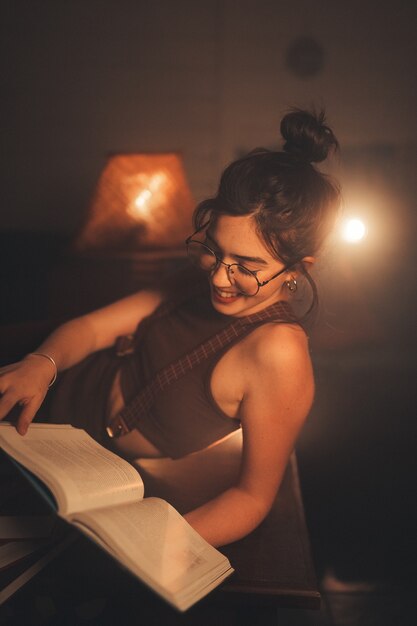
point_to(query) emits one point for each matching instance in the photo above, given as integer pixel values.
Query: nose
(220, 276)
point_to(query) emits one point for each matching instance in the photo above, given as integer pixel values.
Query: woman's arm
(26, 382)
(279, 389)
(78, 338)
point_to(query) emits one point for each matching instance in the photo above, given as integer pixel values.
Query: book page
(156, 543)
(79, 471)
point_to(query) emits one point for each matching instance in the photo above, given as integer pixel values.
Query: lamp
(142, 202)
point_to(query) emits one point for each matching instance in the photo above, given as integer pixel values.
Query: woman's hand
(25, 384)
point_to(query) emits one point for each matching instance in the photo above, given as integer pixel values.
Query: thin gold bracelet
(46, 356)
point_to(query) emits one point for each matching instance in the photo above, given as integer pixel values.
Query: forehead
(237, 235)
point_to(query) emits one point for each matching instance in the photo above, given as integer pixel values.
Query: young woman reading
(220, 350)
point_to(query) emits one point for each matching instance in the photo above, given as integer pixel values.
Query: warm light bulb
(353, 230)
(140, 205)
(142, 198)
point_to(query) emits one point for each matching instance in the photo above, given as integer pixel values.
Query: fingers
(8, 400)
(21, 385)
(30, 406)
(26, 416)
(8, 394)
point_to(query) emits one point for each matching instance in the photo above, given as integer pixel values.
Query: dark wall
(87, 77)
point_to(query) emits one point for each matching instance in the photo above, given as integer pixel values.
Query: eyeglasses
(206, 259)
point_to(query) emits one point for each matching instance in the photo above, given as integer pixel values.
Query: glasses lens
(244, 280)
(201, 256)
(204, 258)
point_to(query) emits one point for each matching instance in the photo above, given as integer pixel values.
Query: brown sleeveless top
(184, 417)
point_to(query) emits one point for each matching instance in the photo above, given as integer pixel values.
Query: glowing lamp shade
(141, 202)
(353, 230)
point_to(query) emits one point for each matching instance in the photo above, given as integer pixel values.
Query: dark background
(210, 79)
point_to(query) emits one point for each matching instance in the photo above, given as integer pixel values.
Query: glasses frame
(230, 265)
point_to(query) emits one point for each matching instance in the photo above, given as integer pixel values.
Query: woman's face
(234, 239)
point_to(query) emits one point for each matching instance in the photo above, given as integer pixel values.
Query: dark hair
(294, 205)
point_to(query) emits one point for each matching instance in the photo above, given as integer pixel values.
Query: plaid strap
(126, 419)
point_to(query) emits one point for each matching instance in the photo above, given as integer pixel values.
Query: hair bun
(306, 136)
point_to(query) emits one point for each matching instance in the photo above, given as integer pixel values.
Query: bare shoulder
(278, 345)
(278, 373)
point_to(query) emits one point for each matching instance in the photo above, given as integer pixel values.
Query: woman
(245, 357)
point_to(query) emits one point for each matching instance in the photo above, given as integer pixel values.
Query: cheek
(270, 288)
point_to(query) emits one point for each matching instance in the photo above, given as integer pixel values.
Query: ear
(308, 261)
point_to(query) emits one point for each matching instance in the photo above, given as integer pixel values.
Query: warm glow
(150, 188)
(139, 207)
(141, 201)
(353, 230)
(156, 181)
(142, 198)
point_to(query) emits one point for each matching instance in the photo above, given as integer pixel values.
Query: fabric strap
(126, 419)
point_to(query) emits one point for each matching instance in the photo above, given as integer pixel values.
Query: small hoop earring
(291, 284)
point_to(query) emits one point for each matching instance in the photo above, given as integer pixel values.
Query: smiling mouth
(225, 295)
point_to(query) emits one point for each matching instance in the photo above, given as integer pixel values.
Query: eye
(244, 271)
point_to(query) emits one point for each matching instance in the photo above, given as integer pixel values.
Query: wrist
(52, 362)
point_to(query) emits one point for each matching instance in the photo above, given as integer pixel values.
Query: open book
(103, 496)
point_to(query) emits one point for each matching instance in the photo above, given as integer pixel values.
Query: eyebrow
(241, 257)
